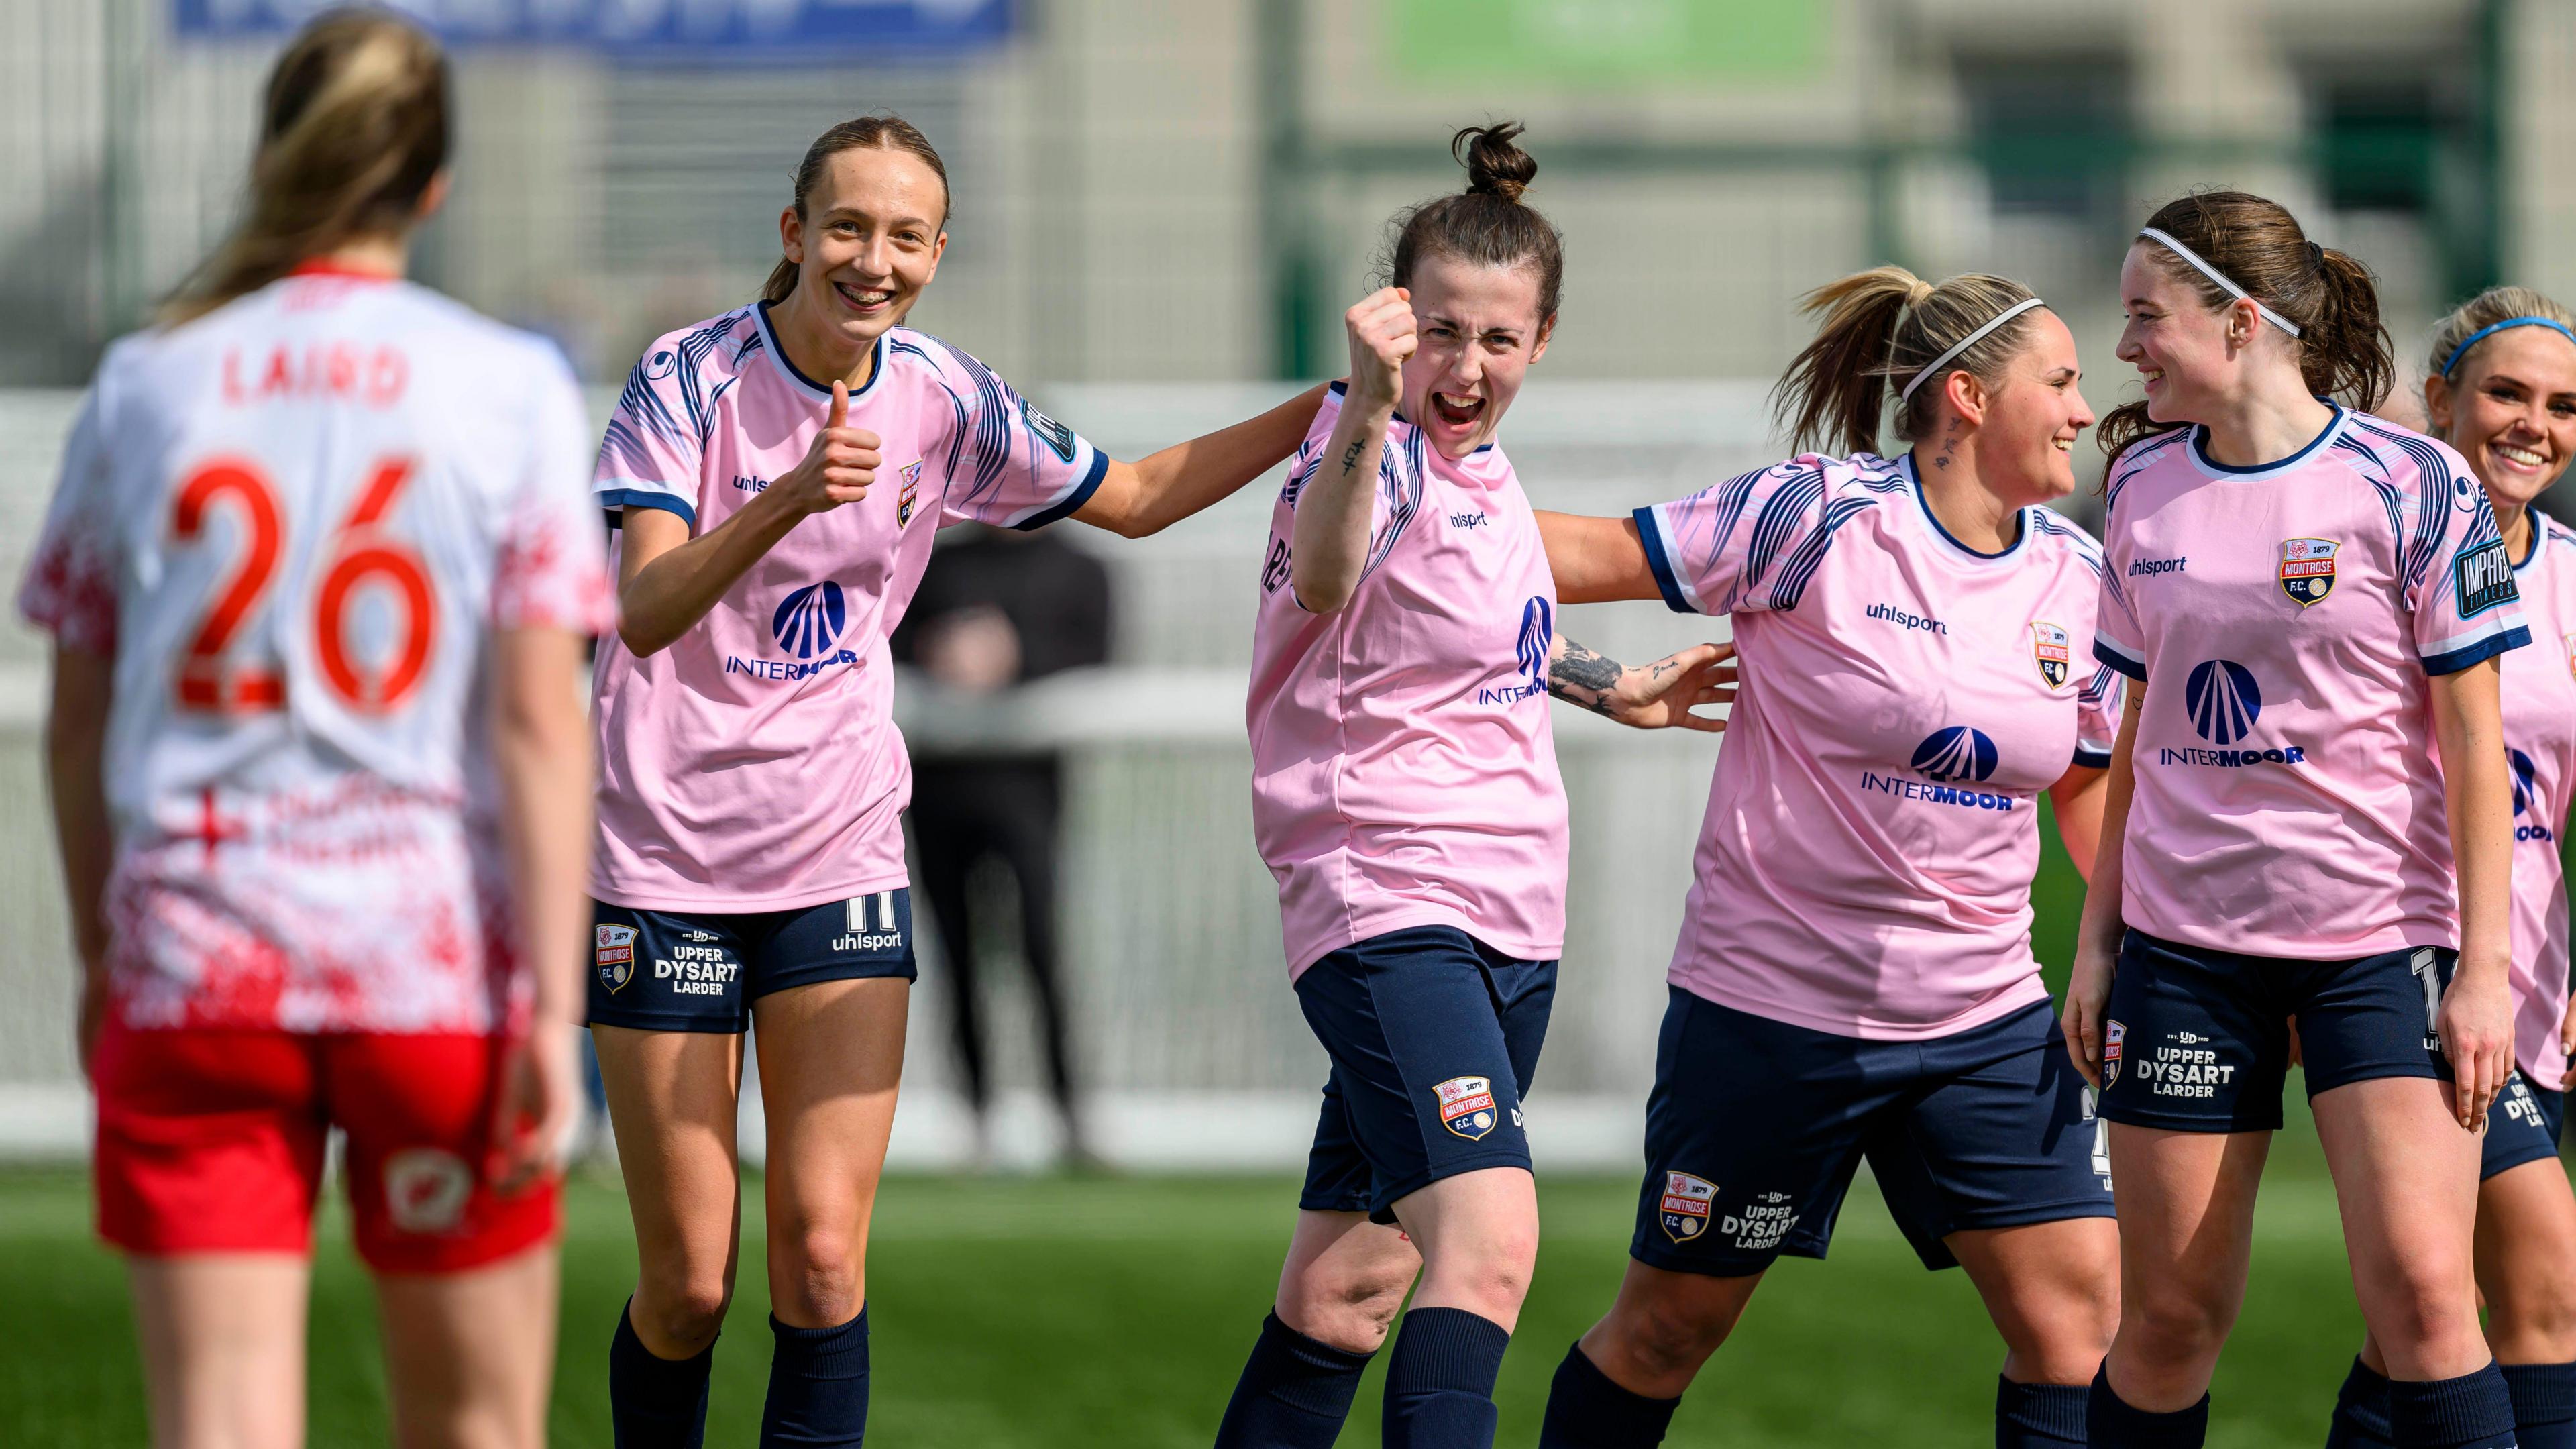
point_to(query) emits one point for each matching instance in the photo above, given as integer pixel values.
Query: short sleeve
(1748, 544)
(2098, 702)
(550, 570)
(70, 588)
(2460, 589)
(1010, 465)
(652, 453)
(2118, 641)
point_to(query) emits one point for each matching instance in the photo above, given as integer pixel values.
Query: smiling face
(2026, 439)
(869, 241)
(1479, 330)
(2178, 343)
(2511, 411)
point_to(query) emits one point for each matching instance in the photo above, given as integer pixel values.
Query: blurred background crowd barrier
(1160, 209)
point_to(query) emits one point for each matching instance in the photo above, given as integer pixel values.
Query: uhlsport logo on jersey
(1530, 650)
(2053, 650)
(2113, 1036)
(1466, 1106)
(806, 625)
(2308, 569)
(910, 494)
(1952, 761)
(614, 947)
(1685, 1208)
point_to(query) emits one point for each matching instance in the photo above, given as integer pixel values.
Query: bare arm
(541, 750)
(75, 747)
(2077, 800)
(1162, 488)
(2097, 938)
(1328, 545)
(2476, 1015)
(666, 580)
(1596, 560)
(1645, 696)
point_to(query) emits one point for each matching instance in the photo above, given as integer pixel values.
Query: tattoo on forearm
(1583, 676)
(1351, 455)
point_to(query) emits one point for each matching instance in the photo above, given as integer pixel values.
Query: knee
(2534, 1315)
(681, 1310)
(1493, 1271)
(1350, 1309)
(2172, 1324)
(2061, 1340)
(1666, 1339)
(822, 1281)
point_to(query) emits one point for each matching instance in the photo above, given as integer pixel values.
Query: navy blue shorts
(668, 971)
(2196, 1040)
(1755, 1127)
(1434, 1037)
(2523, 1126)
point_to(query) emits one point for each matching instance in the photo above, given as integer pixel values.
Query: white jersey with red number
(294, 524)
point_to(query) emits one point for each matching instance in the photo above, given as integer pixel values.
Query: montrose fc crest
(614, 947)
(2112, 1034)
(1466, 1106)
(2308, 569)
(911, 494)
(1684, 1210)
(2052, 648)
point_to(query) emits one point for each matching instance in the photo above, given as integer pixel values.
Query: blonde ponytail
(1886, 325)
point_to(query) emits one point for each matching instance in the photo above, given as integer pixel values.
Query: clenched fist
(1382, 341)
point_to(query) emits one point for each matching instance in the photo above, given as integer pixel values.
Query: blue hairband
(2451, 363)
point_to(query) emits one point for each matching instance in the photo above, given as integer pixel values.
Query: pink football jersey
(2540, 740)
(293, 523)
(1403, 763)
(2284, 621)
(1872, 832)
(754, 764)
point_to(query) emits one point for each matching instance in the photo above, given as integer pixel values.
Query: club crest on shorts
(1466, 1106)
(2053, 649)
(2112, 1035)
(910, 494)
(614, 949)
(426, 1189)
(2308, 569)
(1685, 1209)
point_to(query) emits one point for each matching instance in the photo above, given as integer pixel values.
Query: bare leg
(672, 1097)
(470, 1357)
(1345, 1278)
(1664, 1326)
(2053, 1290)
(2406, 1180)
(830, 1057)
(2186, 1238)
(2526, 1263)
(222, 1336)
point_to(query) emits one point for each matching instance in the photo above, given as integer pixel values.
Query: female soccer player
(779, 472)
(2502, 392)
(2311, 600)
(1405, 794)
(1854, 976)
(318, 572)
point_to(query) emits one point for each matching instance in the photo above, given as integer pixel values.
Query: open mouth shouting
(1457, 410)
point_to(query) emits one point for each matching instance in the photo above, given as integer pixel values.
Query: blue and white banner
(782, 28)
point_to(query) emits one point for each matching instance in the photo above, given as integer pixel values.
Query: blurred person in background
(1854, 978)
(318, 573)
(2502, 392)
(1406, 797)
(2310, 817)
(776, 475)
(997, 609)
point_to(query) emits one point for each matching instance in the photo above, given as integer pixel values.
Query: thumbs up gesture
(839, 466)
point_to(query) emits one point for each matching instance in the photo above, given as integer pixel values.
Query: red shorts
(211, 1142)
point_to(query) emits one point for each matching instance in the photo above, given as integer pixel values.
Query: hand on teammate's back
(838, 467)
(1382, 341)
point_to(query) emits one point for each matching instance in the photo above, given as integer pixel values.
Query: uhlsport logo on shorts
(2223, 700)
(2053, 650)
(1685, 1208)
(2308, 569)
(426, 1189)
(2113, 1034)
(1956, 753)
(1466, 1106)
(615, 950)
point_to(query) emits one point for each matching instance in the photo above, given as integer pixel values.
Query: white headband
(1964, 343)
(2221, 278)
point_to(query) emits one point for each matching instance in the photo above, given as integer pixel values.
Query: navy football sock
(655, 1403)
(2038, 1416)
(2472, 1411)
(1294, 1394)
(2544, 1403)
(2360, 1411)
(1587, 1410)
(818, 1386)
(2112, 1423)
(1440, 1381)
